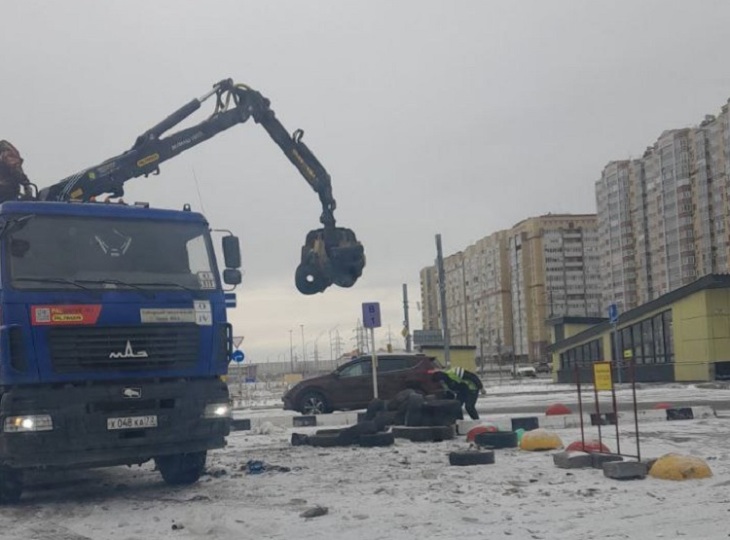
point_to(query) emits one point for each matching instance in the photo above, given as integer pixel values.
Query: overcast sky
(431, 116)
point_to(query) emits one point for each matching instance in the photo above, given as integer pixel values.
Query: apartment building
(663, 219)
(501, 289)
(618, 217)
(554, 271)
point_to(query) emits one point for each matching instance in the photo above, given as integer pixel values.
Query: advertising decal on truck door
(65, 314)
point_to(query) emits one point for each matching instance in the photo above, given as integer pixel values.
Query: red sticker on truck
(65, 314)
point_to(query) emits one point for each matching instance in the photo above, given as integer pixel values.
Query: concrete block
(603, 419)
(240, 424)
(625, 470)
(684, 413)
(528, 423)
(599, 458)
(304, 421)
(572, 460)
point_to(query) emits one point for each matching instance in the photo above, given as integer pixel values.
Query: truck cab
(114, 343)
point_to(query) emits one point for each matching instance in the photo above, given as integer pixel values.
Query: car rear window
(394, 364)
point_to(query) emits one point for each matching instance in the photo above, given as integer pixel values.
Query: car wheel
(313, 403)
(470, 457)
(11, 485)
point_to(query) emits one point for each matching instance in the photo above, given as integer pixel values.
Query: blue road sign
(230, 298)
(371, 314)
(237, 356)
(613, 313)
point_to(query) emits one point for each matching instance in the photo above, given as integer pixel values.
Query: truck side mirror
(231, 252)
(231, 276)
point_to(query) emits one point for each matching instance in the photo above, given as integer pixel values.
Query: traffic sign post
(238, 357)
(371, 320)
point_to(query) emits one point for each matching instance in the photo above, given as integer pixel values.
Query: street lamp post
(304, 350)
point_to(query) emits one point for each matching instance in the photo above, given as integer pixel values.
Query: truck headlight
(31, 422)
(217, 410)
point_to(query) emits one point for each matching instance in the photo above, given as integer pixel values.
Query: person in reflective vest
(466, 385)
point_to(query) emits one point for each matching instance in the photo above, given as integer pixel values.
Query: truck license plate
(131, 422)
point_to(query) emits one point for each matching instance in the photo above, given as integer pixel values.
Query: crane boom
(330, 255)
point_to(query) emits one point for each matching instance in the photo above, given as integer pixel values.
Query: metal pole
(442, 296)
(304, 352)
(618, 356)
(240, 381)
(615, 417)
(406, 321)
(636, 412)
(481, 355)
(291, 350)
(598, 410)
(580, 406)
(375, 364)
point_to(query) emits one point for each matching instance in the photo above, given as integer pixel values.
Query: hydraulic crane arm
(330, 255)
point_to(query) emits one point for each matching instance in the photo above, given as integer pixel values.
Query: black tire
(11, 486)
(309, 279)
(376, 439)
(497, 439)
(462, 459)
(424, 433)
(313, 402)
(181, 469)
(442, 412)
(332, 431)
(374, 407)
(443, 433)
(413, 433)
(414, 410)
(328, 441)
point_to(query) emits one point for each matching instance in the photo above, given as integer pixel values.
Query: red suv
(350, 386)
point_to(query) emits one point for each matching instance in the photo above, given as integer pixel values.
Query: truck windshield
(62, 252)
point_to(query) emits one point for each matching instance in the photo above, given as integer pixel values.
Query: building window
(650, 340)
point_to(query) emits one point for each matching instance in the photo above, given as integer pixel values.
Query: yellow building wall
(702, 334)
(465, 358)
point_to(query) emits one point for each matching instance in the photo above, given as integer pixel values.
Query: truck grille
(147, 347)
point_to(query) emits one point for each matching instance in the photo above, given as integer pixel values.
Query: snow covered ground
(406, 491)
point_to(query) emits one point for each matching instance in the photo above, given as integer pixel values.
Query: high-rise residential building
(554, 271)
(501, 289)
(663, 219)
(616, 230)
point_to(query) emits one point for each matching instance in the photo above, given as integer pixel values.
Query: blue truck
(114, 342)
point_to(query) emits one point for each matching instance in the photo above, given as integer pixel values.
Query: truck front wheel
(11, 485)
(181, 469)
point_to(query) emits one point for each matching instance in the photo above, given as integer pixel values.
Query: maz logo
(132, 393)
(129, 353)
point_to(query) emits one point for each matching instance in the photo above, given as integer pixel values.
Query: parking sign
(371, 314)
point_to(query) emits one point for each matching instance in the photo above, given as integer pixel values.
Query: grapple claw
(329, 256)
